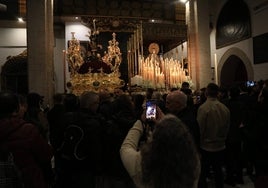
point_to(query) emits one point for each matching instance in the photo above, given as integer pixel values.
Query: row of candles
(153, 71)
(160, 73)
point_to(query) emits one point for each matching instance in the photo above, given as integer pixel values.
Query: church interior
(72, 46)
(159, 44)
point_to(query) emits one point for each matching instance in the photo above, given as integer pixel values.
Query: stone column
(197, 20)
(40, 42)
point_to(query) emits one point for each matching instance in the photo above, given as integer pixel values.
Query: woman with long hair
(168, 160)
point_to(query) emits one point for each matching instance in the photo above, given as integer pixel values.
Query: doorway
(233, 71)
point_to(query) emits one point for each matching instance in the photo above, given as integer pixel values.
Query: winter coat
(32, 154)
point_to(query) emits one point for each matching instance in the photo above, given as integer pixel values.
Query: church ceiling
(162, 21)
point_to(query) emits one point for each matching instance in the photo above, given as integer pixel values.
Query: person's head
(234, 92)
(70, 102)
(138, 100)
(69, 85)
(223, 93)
(105, 95)
(149, 93)
(176, 101)
(123, 103)
(171, 158)
(34, 100)
(185, 85)
(157, 95)
(118, 92)
(89, 100)
(9, 104)
(185, 88)
(212, 90)
(58, 98)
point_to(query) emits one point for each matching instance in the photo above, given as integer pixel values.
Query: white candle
(216, 68)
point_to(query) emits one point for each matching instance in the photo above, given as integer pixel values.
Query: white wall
(80, 31)
(259, 26)
(13, 41)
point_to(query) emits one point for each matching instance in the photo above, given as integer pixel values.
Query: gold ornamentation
(75, 59)
(94, 81)
(113, 57)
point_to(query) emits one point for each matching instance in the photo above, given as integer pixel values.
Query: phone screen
(250, 83)
(150, 109)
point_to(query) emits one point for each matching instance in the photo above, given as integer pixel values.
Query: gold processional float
(96, 72)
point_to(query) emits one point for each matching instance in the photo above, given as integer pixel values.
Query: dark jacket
(90, 145)
(116, 131)
(32, 154)
(188, 118)
(53, 117)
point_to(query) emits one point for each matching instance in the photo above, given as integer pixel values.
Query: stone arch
(236, 61)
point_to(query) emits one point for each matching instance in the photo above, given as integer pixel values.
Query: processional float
(95, 71)
(154, 71)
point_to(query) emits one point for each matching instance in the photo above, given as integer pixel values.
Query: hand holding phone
(150, 110)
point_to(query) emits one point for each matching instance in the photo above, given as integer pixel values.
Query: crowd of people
(103, 140)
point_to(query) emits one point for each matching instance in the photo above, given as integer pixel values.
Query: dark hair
(34, 99)
(138, 100)
(171, 159)
(185, 84)
(9, 103)
(123, 103)
(70, 102)
(149, 93)
(212, 90)
(87, 98)
(234, 91)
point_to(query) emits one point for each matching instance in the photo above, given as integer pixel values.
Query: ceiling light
(20, 19)
(183, 1)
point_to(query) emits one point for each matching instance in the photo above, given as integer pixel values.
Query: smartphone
(150, 109)
(250, 83)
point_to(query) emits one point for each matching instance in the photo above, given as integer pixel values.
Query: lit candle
(216, 68)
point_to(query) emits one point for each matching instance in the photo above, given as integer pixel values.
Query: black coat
(189, 119)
